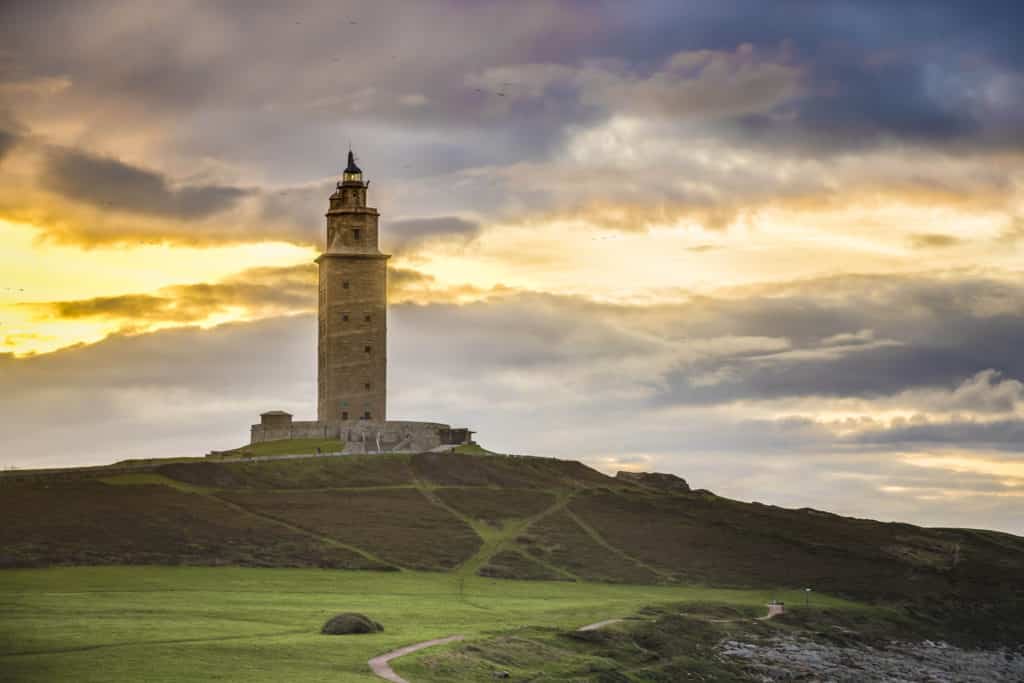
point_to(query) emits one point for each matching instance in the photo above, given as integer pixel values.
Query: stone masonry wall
(352, 349)
(364, 435)
(296, 430)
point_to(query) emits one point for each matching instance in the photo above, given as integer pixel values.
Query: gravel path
(379, 665)
(598, 624)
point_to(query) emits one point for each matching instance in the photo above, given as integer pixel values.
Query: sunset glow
(787, 254)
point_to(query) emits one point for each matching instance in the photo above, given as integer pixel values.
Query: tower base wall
(296, 430)
(368, 436)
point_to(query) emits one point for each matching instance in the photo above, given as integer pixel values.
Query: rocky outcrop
(801, 659)
(654, 480)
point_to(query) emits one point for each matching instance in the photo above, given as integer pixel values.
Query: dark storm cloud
(163, 393)
(448, 99)
(915, 71)
(606, 364)
(139, 306)
(259, 291)
(1001, 435)
(293, 84)
(405, 277)
(7, 142)
(865, 374)
(115, 185)
(402, 235)
(864, 337)
(933, 240)
(925, 332)
(297, 212)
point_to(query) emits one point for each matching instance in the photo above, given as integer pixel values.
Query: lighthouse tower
(352, 343)
(352, 339)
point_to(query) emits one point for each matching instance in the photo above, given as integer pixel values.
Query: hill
(500, 516)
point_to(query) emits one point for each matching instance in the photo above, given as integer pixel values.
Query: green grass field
(206, 624)
(268, 542)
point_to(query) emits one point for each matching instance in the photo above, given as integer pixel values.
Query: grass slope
(181, 624)
(351, 471)
(285, 447)
(496, 506)
(658, 644)
(401, 526)
(508, 516)
(142, 523)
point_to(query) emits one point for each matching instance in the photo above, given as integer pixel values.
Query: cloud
(568, 377)
(933, 240)
(690, 84)
(1004, 435)
(895, 344)
(252, 294)
(770, 347)
(173, 392)
(34, 87)
(706, 116)
(115, 185)
(77, 197)
(402, 235)
(7, 142)
(987, 391)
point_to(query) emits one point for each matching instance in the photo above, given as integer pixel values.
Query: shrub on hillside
(350, 622)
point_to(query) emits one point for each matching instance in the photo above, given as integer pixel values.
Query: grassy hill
(505, 517)
(183, 624)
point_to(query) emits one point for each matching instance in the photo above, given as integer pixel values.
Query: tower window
(344, 415)
(344, 284)
(356, 232)
(367, 349)
(344, 317)
(366, 386)
(367, 318)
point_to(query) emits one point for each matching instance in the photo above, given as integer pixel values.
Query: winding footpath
(381, 667)
(597, 625)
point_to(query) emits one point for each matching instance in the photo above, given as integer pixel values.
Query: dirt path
(601, 624)
(379, 665)
(497, 538)
(598, 624)
(600, 540)
(300, 530)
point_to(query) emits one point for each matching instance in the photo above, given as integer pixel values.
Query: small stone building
(276, 419)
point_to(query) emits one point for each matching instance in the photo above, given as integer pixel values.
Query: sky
(774, 248)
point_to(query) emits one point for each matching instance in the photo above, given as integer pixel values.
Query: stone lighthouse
(352, 341)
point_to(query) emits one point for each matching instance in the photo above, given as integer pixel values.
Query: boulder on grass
(350, 622)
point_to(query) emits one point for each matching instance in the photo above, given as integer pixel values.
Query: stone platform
(361, 436)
